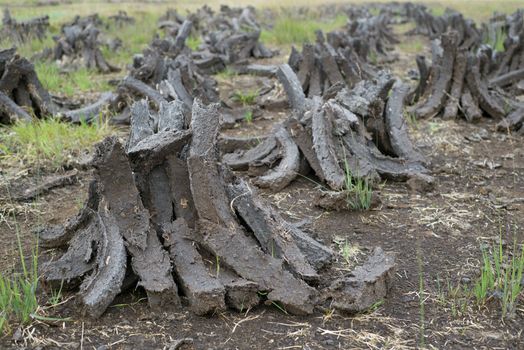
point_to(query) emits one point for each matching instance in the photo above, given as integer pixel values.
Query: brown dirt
(436, 237)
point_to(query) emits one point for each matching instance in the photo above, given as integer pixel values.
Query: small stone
(17, 336)
(421, 183)
(329, 342)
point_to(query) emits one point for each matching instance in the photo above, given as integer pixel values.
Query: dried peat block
(513, 121)
(141, 89)
(256, 69)
(149, 261)
(442, 72)
(268, 227)
(325, 151)
(466, 77)
(508, 78)
(79, 258)
(121, 19)
(293, 88)
(470, 106)
(11, 111)
(423, 69)
(241, 159)
(362, 128)
(204, 292)
(79, 41)
(90, 112)
(366, 284)
(166, 207)
(241, 254)
(59, 235)
(396, 125)
(21, 90)
(47, 184)
(23, 31)
(222, 235)
(457, 84)
(479, 90)
(287, 169)
(302, 137)
(100, 288)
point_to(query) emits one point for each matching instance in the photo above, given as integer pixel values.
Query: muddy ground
(437, 238)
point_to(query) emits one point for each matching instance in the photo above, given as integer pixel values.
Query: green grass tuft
(69, 84)
(500, 277)
(497, 43)
(193, 42)
(225, 74)
(134, 38)
(49, 143)
(248, 117)
(296, 31)
(247, 98)
(18, 302)
(358, 190)
(499, 282)
(414, 45)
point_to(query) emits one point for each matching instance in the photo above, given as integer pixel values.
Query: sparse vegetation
(134, 38)
(71, 83)
(499, 282)
(246, 98)
(49, 142)
(358, 190)
(497, 43)
(248, 116)
(291, 30)
(193, 42)
(18, 301)
(414, 46)
(348, 251)
(411, 119)
(225, 74)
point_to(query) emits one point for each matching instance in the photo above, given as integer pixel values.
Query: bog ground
(261, 175)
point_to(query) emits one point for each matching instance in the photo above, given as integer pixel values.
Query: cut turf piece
(187, 227)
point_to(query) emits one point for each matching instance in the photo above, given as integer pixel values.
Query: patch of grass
(246, 98)
(374, 11)
(451, 296)
(56, 295)
(69, 84)
(32, 47)
(348, 252)
(18, 302)
(404, 27)
(499, 282)
(497, 43)
(411, 119)
(437, 9)
(358, 190)
(372, 57)
(50, 142)
(225, 74)
(500, 277)
(248, 116)
(193, 42)
(134, 38)
(414, 45)
(434, 127)
(291, 30)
